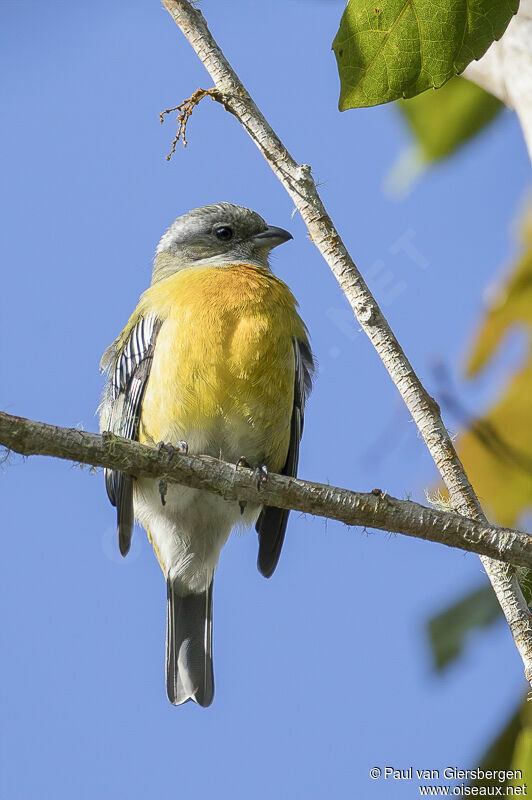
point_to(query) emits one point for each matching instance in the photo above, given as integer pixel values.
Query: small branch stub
(185, 110)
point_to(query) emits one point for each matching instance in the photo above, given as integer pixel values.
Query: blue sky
(324, 671)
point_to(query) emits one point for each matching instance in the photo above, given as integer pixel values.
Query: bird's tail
(189, 671)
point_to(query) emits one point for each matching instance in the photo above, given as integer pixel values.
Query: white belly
(191, 528)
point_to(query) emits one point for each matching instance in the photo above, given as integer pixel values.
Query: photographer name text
(448, 773)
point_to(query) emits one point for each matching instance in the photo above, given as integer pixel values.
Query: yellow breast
(222, 376)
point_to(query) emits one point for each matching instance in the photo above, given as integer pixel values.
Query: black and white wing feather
(129, 369)
(271, 524)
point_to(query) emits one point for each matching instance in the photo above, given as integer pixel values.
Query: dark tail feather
(125, 515)
(189, 672)
(271, 527)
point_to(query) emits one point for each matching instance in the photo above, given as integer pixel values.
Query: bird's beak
(271, 237)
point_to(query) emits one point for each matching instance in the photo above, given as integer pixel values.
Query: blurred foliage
(449, 630)
(497, 450)
(387, 49)
(522, 755)
(443, 119)
(511, 750)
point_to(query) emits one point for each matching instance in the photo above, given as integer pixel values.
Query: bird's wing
(129, 364)
(271, 524)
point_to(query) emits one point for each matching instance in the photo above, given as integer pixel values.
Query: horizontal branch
(373, 510)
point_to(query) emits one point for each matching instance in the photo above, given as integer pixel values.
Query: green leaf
(522, 757)
(444, 119)
(449, 630)
(501, 754)
(387, 49)
(524, 576)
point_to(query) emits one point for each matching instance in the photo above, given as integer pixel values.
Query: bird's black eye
(223, 232)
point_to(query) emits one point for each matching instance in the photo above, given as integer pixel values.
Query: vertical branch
(506, 69)
(300, 185)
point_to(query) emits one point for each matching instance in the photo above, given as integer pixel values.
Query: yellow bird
(215, 360)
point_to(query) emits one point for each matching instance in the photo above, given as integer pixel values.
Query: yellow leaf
(497, 450)
(522, 758)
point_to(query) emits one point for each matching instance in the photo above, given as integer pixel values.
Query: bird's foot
(171, 449)
(261, 475)
(168, 451)
(242, 462)
(261, 472)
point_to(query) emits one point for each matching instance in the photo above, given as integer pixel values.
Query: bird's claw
(171, 449)
(262, 475)
(168, 451)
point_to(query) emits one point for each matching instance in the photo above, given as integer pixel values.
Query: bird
(215, 360)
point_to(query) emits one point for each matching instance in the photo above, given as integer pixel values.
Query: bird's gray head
(216, 235)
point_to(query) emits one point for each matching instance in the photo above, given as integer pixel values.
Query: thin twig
(373, 510)
(298, 182)
(185, 110)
